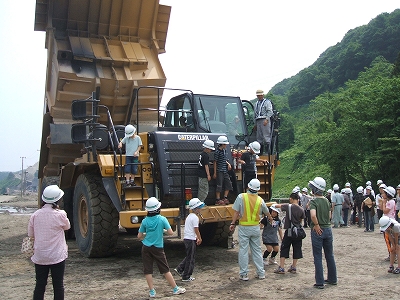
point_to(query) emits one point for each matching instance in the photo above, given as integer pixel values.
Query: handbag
(295, 232)
(27, 246)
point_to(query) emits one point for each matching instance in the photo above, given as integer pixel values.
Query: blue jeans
(319, 242)
(57, 277)
(129, 167)
(369, 221)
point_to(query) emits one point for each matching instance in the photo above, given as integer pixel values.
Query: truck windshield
(221, 114)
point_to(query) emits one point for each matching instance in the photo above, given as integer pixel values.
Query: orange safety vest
(251, 207)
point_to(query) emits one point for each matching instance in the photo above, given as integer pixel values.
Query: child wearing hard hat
(192, 238)
(133, 144)
(152, 231)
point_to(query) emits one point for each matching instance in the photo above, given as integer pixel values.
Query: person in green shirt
(321, 234)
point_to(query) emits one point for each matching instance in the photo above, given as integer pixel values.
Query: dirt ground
(362, 271)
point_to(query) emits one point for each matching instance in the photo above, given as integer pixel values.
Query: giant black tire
(95, 217)
(215, 234)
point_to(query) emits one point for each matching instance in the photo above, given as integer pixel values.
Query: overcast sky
(213, 47)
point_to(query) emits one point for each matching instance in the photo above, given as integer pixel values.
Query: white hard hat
(329, 191)
(130, 130)
(360, 189)
(382, 186)
(318, 183)
(369, 187)
(255, 146)
(275, 209)
(195, 203)
(222, 140)
(368, 183)
(254, 184)
(304, 189)
(385, 221)
(390, 190)
(379, 182)
(347, 190)
(335, 187)
(347, 184)
(52, 194)
(152, 204)
(209, 144)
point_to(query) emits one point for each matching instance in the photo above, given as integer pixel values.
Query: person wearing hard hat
(379, 198)
(367, 207)
(321, 234)
(248, 160)
(337, 202)
(305, 203)
(270, 235)
(133, 144)
(263, 113)
(294, 216)
(248, 208)
(151, 232)
(388, 209)
(204, 170)
(391, 228)
(46, 227)
(192, 238)
(358, 200)
(221, 168)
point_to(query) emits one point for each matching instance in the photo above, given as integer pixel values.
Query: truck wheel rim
(83, 216)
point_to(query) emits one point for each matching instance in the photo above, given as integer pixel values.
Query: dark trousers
(307, 220)
(187, 264)
(247, 177)
(57, 278)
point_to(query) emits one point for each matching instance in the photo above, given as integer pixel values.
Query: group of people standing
(248, 208)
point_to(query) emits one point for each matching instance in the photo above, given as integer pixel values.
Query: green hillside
(340, 117)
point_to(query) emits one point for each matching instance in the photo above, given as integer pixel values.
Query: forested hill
(339, 63)
(340, 117)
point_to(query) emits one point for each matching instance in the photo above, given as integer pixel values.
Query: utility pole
(22, 175)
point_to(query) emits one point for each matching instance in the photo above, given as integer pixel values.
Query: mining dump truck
(103, 73)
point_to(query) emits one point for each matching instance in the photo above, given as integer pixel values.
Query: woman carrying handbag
(46, 227)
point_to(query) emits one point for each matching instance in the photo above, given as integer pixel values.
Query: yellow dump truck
(103, 73)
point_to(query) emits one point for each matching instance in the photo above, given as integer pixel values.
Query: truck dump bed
(108, 44)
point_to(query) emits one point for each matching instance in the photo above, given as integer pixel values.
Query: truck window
(179, 113)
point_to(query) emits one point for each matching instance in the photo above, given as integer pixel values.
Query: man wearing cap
(247, 209)
(263, 113)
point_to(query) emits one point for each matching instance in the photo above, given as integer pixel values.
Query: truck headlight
(134, 220)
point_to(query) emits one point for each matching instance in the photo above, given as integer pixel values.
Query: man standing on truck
(247, 209)
(263, 113)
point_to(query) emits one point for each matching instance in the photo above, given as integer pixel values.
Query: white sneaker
(189, 279)
(178, 290)
(244, 277)
(272, 261)
(265, 261)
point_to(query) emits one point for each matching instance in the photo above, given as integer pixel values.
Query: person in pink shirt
(46, 227)
(389, 209)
